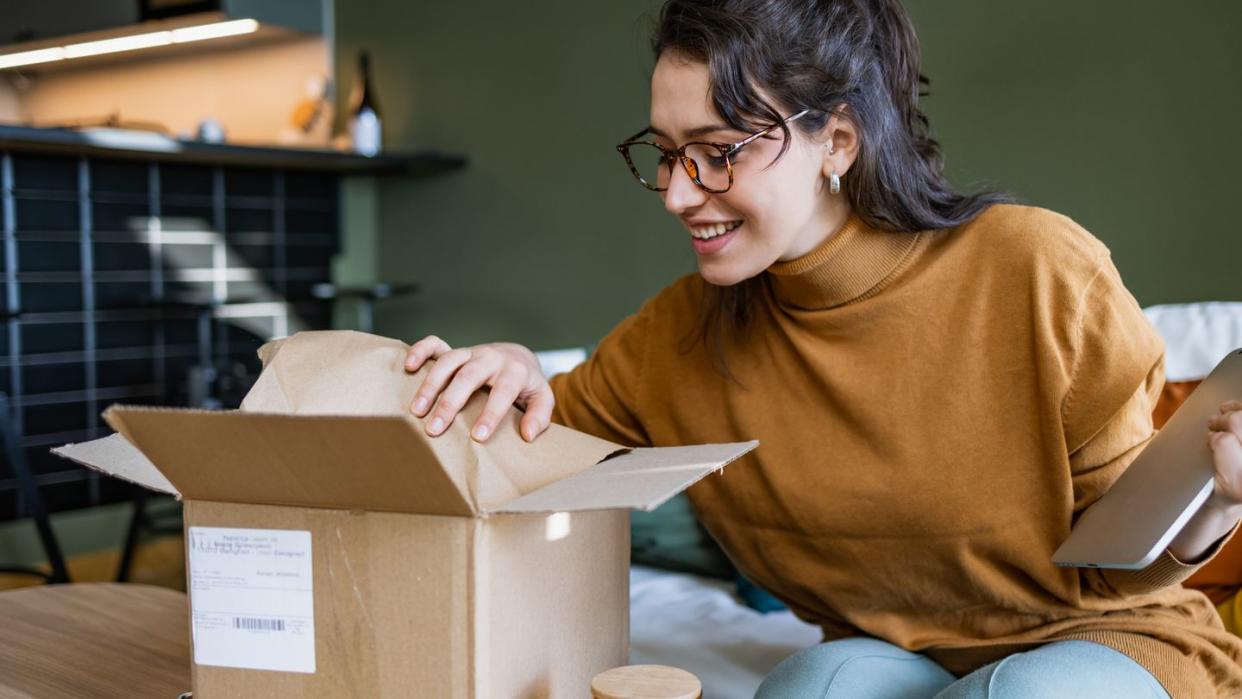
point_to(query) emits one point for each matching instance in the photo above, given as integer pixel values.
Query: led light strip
(183, 35)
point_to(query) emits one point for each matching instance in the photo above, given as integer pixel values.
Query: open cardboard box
(335, 550)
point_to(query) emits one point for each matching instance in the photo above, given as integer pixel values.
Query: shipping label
(252, 598)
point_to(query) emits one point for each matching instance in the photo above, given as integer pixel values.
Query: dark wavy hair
(819, 55)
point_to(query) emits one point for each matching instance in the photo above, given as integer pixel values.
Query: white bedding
(701, 626)
(1196, 336)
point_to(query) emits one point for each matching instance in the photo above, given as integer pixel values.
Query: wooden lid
(646, 682)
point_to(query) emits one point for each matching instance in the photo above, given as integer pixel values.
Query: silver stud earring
(834, 183)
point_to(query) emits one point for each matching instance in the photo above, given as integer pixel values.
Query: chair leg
(56, 559)
(31, 495)
(136, 523)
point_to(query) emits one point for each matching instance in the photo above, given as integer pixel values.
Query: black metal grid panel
(145, 283)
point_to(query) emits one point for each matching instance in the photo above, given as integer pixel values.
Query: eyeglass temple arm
(635, 137)
(787, 120)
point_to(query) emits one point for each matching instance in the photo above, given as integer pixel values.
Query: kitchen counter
(147, 146)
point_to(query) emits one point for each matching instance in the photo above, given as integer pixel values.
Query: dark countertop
(138, 145)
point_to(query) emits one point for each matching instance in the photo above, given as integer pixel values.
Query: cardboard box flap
(343, 372)
(507, 467)
(116, 457)
(373, 463)
(640, 479)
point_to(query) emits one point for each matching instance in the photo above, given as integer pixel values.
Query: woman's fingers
(1225, 440)
(508, 370)
(1229, 420)
(437, 378)
(538, 413)
(505, 390)
(478, 371)
(430, 347)
(1227, 457)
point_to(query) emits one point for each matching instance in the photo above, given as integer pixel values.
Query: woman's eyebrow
(695, 132)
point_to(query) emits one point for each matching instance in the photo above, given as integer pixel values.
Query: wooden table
(94, 640)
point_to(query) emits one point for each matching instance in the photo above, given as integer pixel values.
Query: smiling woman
(861, 132)
(941, 382)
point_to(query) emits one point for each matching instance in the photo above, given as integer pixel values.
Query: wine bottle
(364, 116)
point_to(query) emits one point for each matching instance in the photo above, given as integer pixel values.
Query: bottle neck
(364, 92)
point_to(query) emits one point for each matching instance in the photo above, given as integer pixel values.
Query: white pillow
(1196, 336)
(560, 360)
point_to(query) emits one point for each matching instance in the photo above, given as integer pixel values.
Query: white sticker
(252, 601)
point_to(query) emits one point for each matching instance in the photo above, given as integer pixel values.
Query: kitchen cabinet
(31, 24)
(37, 20)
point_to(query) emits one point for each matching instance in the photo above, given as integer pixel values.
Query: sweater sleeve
(1117, 374)
(601, 395)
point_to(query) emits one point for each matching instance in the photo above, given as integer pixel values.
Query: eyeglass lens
(707, 162)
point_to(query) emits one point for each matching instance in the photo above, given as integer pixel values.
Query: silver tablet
(1150, 503)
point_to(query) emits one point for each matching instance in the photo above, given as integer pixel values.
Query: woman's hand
(510, 370)
(1225, 438)
(1220, 514)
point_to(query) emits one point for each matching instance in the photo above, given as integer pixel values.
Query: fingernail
(437, 425)
(480, 432)
(420, 405)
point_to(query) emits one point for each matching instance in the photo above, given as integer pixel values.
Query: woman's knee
(1064, 668)
(866, 668)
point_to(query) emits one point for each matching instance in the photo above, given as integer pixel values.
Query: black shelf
(153, 147)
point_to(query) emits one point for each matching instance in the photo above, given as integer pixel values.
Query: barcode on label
(251, 624)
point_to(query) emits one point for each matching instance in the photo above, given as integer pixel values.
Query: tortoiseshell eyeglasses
(709, 165)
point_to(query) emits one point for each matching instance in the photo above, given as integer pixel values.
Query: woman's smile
(711, 239)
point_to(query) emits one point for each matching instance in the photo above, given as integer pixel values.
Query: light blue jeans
(868, 668)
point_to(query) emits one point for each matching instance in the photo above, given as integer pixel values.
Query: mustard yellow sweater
(934, 410)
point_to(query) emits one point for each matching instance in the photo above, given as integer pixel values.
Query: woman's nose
(682, 192)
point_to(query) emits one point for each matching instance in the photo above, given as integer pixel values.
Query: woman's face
(784, 210)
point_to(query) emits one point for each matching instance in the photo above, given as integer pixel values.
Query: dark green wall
(1119, 114)
(1122, 114)
(544, 239)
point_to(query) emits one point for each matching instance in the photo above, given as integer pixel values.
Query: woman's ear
(840, 140)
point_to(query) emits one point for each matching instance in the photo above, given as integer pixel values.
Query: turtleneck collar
(849, 264)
